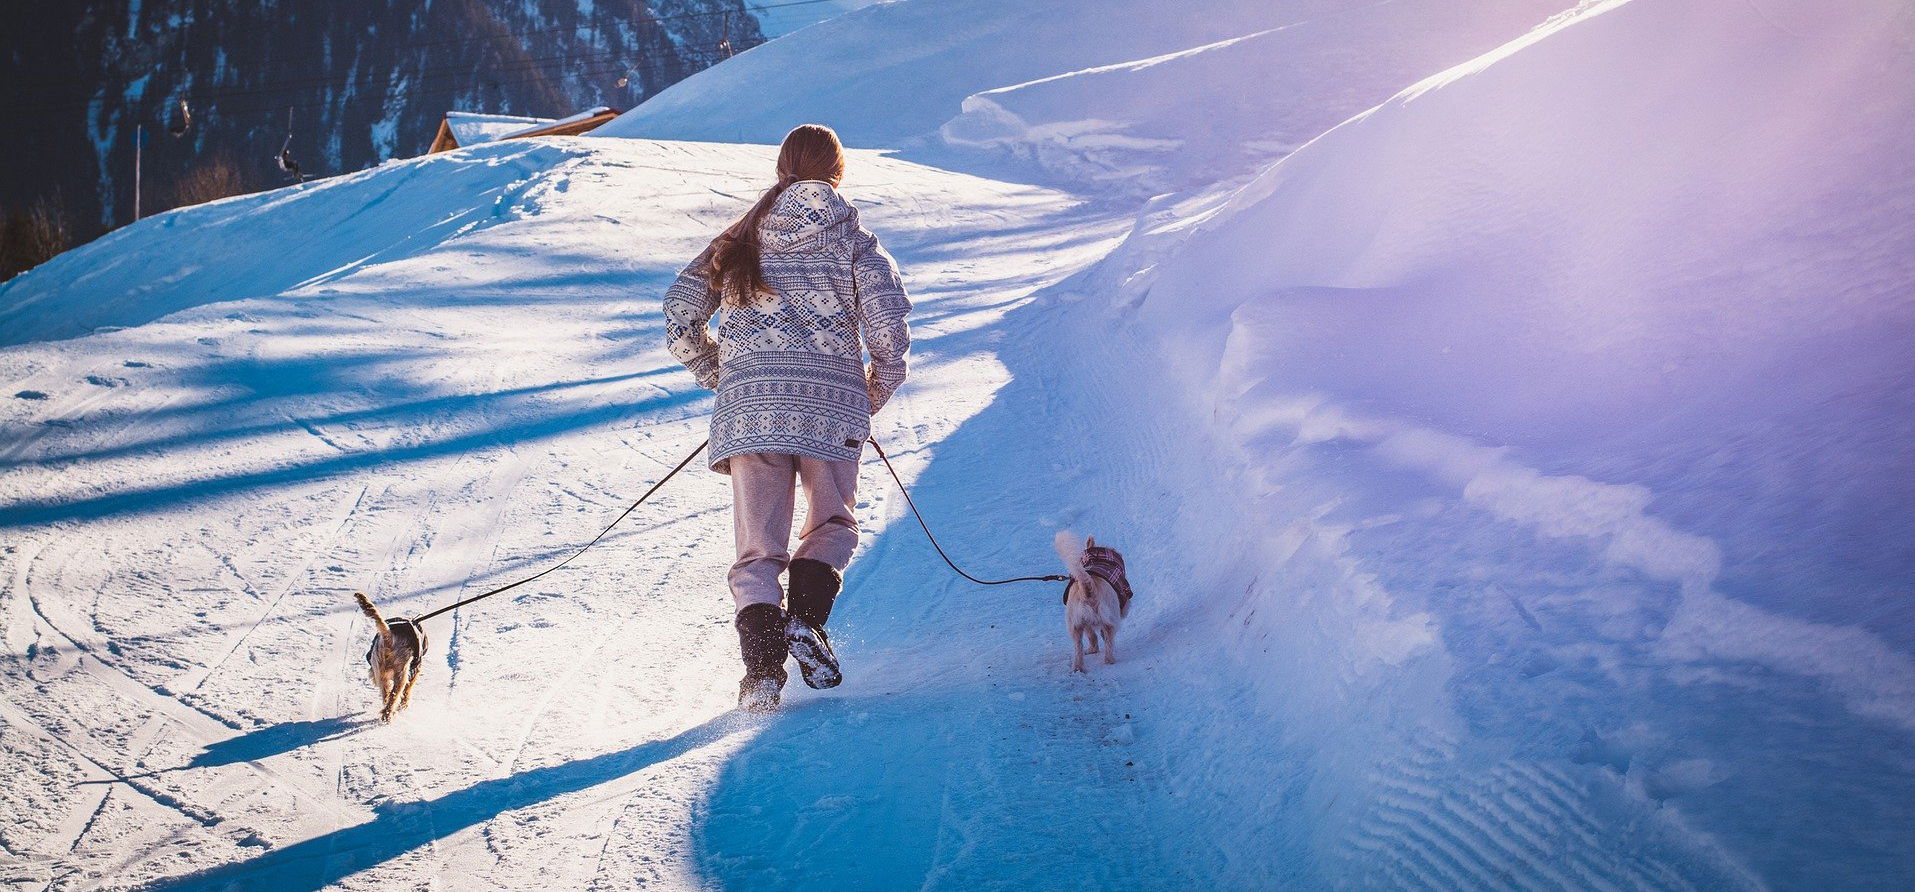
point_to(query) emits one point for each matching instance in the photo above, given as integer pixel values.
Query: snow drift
(1132, 97)
(1203, 114)
(891, 73)
(1595, 349)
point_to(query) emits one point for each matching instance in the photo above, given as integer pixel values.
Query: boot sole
(816, 663)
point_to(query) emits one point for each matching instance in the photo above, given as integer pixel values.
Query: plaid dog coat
(1106, 564)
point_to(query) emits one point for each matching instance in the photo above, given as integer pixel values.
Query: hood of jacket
(808, 215)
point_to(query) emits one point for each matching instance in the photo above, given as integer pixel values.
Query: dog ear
(1090, 542)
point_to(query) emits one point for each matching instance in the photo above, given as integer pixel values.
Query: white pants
(762, 499)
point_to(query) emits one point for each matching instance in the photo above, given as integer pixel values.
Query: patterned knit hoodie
(788, 366)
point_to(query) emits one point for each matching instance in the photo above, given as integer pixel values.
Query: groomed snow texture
(1505, 410)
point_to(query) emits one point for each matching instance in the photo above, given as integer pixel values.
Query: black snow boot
(761, 640)
(812, 590)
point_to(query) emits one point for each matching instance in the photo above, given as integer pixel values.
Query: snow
(1508, 443)
(370, 217)
(891, 73)
(385, 131)
(472, 128)
(1596, 369)
(776, 18)
(1131, 126)
(413, 417)
(568, 119)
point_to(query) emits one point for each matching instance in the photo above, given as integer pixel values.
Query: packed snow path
(440, 374)
(191, 503)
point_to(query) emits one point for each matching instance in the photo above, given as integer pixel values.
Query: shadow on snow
(398, 828)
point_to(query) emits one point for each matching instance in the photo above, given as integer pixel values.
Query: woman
(804, 291)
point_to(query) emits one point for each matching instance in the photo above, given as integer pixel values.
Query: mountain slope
(1136, 126)
(342, 85)
(889, 73)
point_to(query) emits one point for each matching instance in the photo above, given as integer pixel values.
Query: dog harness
(1108, 565)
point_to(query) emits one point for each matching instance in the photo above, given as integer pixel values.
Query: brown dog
(1097, 598)
(396, 654)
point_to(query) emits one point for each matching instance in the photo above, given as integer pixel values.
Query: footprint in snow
(30, 395)
(100, 381)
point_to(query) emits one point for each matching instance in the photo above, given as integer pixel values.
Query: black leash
(680, 467)
(934, 540)
(601, 535)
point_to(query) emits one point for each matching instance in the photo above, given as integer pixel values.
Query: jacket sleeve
(882, 308)
(689, 304)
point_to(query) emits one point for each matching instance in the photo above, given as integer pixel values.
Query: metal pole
(139, 142)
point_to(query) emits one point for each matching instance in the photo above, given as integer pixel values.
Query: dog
(1097, 598)
(395, 658)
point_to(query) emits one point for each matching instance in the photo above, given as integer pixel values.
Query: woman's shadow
(399, 827)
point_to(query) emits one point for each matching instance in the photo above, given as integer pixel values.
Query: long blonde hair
(809, 152)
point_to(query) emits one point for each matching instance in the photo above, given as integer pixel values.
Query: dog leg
(390, 685)
(1093, 642)
(379, 679)
(412, 678)
(1110, 645)
(1077, 657)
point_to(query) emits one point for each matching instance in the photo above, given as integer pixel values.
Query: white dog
(1097, 597)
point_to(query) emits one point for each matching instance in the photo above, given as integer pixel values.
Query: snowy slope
(1592, 357)
(264, 245)
(1126, 99)
(1509, 476)
(776, 18)
(892, 72)
(189, 501)
(1201, 114)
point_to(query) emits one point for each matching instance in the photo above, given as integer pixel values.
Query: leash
(680, 467)
(934, 540)
(608, 528)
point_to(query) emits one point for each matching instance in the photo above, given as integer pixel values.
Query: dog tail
(371, 612)
(1070, 549)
